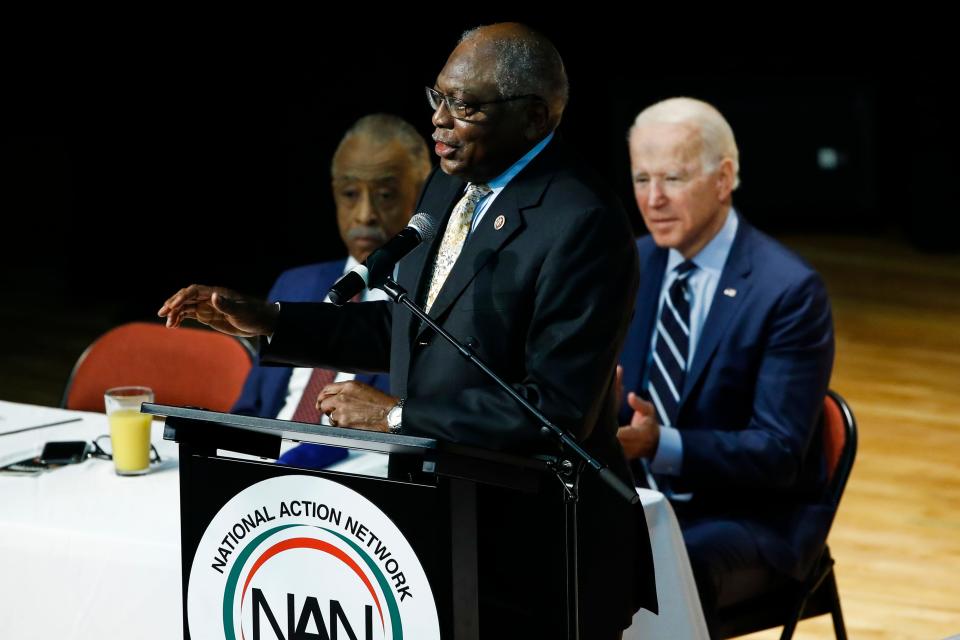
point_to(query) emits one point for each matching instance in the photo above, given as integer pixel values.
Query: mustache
(438, 137)
(367, 233)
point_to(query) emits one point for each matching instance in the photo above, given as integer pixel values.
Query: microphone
(379, 265)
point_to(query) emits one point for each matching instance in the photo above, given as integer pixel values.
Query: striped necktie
(671, 352)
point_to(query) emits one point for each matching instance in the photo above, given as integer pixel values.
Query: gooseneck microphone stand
(567, 471)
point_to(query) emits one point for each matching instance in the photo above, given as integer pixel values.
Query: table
(86, 553)
(89, 554)
(681, 615)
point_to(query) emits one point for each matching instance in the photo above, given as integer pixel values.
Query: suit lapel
(437, 203)
(330, 275)
(733, 280)
(523, 192)
(651, 281)
(479, 247)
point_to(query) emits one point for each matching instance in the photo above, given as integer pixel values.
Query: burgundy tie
(307, 407)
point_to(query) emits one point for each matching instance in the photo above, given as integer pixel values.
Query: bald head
(712, 133)
(523, 62)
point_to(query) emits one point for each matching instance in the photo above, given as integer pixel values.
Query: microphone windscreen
(424, 225)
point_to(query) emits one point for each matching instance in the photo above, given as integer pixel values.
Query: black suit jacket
(544, 289)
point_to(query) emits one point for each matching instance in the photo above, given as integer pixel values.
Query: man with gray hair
(377, 172)
(521, 266)
(726, 364)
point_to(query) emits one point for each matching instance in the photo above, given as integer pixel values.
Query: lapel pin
(730, 293)
(499, 222)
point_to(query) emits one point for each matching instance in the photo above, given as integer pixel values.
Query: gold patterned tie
(458, 226)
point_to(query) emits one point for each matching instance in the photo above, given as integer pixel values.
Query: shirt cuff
(669, 457)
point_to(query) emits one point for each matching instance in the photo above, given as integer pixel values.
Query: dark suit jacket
(265, 388)
(546, 300)
(750, 407)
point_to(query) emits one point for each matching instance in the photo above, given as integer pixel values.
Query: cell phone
(64, 452)
(28, 467)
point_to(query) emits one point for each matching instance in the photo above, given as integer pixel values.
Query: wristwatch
(395, 417)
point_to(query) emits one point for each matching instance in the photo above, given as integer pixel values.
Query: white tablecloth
(87, 554)
(681, 616)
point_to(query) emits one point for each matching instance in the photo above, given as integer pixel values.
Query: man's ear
(537, 124)
(725, 178)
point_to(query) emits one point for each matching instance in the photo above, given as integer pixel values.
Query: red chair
(187, 367)
(817, 594)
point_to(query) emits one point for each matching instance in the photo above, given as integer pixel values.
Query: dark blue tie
(671, 350)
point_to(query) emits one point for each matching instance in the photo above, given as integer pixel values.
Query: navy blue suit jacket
(265, 389)
(751, 402)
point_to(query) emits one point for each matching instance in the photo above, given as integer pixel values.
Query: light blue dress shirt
(500, 182)
(701, 287)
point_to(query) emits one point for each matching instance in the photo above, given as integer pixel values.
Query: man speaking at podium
(534, 266)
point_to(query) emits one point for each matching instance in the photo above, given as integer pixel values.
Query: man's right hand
(225, 310)
(641, 437)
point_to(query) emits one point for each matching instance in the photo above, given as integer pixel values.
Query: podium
(455, 543)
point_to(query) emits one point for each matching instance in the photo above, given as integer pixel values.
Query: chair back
(184, 366)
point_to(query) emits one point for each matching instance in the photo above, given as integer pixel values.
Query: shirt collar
(714, 254)
(351, 263)
(497, 184)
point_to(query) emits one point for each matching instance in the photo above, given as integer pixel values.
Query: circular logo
(302, 556)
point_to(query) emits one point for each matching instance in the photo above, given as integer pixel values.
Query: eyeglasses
(97, 450)
(468, 111)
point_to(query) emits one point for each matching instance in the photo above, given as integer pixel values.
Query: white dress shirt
(301, 375)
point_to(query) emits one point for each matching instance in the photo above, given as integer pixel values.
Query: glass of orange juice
(129, 429)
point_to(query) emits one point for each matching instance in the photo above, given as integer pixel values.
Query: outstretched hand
(222, 309)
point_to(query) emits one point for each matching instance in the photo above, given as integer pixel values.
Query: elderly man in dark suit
(534, 261)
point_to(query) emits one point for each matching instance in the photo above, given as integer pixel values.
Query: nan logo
(273, 565)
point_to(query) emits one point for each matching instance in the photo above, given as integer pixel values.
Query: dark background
(134, 164)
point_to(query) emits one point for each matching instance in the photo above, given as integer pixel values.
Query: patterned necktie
(458, 227)
(671, 352)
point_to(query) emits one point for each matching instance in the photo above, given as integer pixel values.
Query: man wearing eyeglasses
(534, 265)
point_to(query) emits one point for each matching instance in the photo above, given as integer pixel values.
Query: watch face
(393, 418)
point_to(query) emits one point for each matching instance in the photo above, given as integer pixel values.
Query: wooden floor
(896, 539)
(897, 535)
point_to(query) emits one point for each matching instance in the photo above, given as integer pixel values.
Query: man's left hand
(356, 405)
